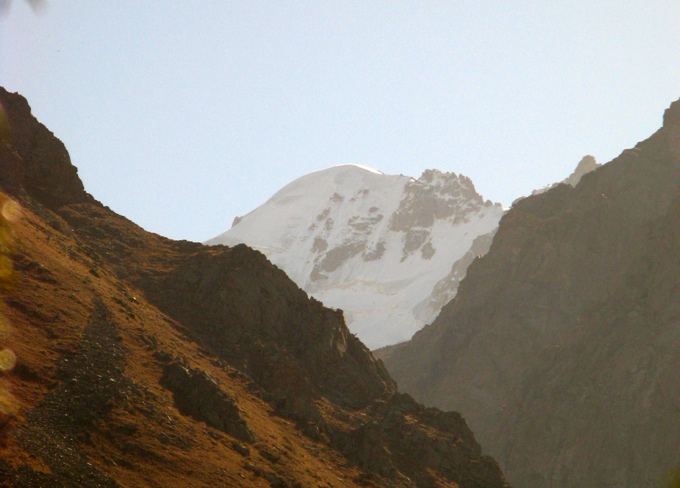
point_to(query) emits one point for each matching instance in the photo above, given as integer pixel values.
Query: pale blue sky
(182, 115)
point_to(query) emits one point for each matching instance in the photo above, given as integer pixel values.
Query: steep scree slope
(143, 361)
(562, 347)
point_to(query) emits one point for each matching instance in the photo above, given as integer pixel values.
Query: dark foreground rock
(562, 346)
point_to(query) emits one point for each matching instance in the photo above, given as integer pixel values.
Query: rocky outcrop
(199, 395)
(586, 165)
(402, 437)
(434, 196)
(562, 346)
(671, 115)
(35, 160)
(248, 311)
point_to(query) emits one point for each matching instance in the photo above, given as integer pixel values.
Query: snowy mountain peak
(371, 244)
(341, 179)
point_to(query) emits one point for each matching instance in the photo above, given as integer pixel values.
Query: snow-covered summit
(371, 244)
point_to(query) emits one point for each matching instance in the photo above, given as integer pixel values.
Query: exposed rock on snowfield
(562, 346)
(377, 246)
(142, 361)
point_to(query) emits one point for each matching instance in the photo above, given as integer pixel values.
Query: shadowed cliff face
(563, 344)
(35, 159)
(248, 311)
(149, 362)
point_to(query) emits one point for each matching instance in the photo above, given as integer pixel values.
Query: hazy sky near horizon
(183, 115)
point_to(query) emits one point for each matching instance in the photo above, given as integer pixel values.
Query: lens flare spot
(7, 360)
(11, 210)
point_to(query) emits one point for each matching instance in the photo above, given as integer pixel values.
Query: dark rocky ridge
(248, 311)
(563, 344)
(245, 317)
(36, 160)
